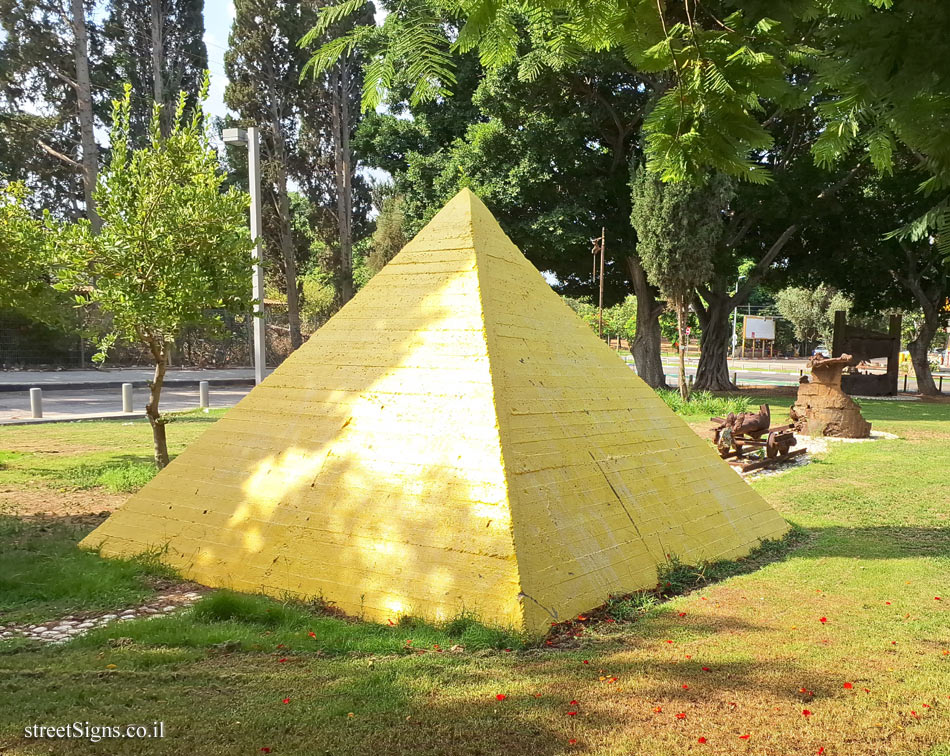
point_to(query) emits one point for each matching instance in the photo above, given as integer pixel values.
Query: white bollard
(126, 397)
(36, 402)
(203, 401)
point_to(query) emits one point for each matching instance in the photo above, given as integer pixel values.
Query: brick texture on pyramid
(454, 439)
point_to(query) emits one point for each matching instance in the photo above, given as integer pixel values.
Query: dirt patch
(42, 502)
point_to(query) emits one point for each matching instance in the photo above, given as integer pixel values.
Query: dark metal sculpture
(865, 345)
(739, 440)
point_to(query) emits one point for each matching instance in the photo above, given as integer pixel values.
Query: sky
(218, 17)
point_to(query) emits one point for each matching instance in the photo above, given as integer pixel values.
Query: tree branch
(57, 154)
(763, 265)
(830, 191)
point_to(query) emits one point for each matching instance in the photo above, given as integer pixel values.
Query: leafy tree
(620, 320)
(879, 271)
(158, 47)
(389, 237)
(678, 226)
(868, 62)
(172, 248)
(25, 258)
(771, 230)
(336, 91)
(811, 311)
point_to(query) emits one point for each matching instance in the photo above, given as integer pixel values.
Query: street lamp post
(251, 138)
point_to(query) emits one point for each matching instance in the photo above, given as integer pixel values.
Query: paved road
(783, 374)
(761, 378)
(100, 394)
(16, 380)
(107, 402)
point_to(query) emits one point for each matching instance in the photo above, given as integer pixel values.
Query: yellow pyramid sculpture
(455, 438)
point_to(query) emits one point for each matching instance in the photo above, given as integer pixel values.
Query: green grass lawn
(849, 623)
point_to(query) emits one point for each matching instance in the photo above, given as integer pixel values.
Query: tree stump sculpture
(822, 408)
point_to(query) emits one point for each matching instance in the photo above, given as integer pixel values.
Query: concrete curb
(137, 415)
(92, 385)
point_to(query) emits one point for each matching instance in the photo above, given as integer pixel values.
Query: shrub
(704, 403)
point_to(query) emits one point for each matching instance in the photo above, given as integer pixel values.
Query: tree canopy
(720, 66)
(173, 245)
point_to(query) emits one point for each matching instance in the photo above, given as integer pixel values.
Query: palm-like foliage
(878, 68)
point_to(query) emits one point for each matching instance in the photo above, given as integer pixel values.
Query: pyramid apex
(457, 225)
(471, 201)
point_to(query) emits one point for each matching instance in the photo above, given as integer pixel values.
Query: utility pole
(598, 249)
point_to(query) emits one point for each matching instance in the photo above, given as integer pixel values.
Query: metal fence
(25, 343)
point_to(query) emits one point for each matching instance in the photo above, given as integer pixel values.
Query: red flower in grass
(823, 620)
(700, 740)
(586, 661)
(682, 614)
(744, 737)
(915, 714)
(281, 661)
(501, 696)
(573, 703)
(936, 598)
(888, 603)
(286, 701)
(657, 709)
(681, 715)
(706, 669)
(312, 634)
(572, 741)
(572, 713)
(806, 713)
(848, 686)
(821, 750)
(265, 749)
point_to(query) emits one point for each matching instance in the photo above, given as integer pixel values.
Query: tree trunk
(290, 261)
(931, 297)
(90, 151)
(712, 374)
(151, 410)
(645, 346)
(919, 349)
(343, 169)
(158, 49)
(681, 349)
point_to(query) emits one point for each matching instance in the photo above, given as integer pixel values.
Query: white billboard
(758, 328)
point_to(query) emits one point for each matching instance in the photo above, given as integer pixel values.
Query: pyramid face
(454, 439)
